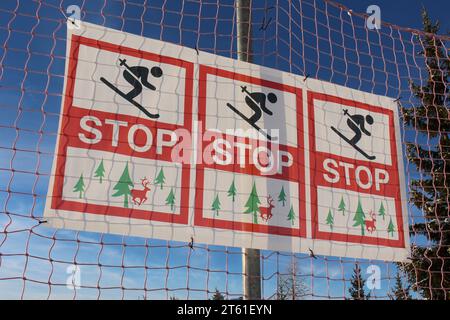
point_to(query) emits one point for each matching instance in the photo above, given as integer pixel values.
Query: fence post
(251, 278)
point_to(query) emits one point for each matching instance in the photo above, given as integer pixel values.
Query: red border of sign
(394, 192)
(57, 201)
(199, 220)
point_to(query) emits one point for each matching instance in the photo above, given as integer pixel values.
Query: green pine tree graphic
(170, 200)
(391, 227)
(160, 178)
(359, 217)
(341, 206)
(253, 203)
(123, 186)
(382, 211)
(79, 186)
(232, 190)
(282, 196)
(330, 219)
(100, 172)
(291, 215)
(216, 205)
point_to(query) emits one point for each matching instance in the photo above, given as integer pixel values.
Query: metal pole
(251, 279)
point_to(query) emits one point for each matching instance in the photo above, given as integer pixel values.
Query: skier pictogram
(257, 102)
(356, 122)
(137, 76)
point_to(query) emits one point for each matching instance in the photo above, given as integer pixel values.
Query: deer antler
(269, 199)
(144, 181)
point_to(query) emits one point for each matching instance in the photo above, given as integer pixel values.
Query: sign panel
(256, 172)
(157, 140)
(109, 150)
(356, 188)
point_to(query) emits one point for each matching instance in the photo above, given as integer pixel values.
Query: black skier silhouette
(356, 122)
(136, 76)
(257, 102)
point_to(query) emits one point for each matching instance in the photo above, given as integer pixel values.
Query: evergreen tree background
(382, 211)
(217, 295)
(291, 285)
(430, 154)
(357, 284)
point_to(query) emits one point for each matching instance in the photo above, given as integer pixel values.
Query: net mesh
(319, 39)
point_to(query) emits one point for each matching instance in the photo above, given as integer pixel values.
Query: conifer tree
(430, 192)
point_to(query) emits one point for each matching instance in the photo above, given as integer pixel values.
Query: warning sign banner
(162, 141)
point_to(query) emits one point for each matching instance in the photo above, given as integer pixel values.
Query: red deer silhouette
(140, 194)
(266, 212)
(370, 224)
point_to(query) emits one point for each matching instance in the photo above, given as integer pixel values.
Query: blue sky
(405, 13)
(318, 41)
